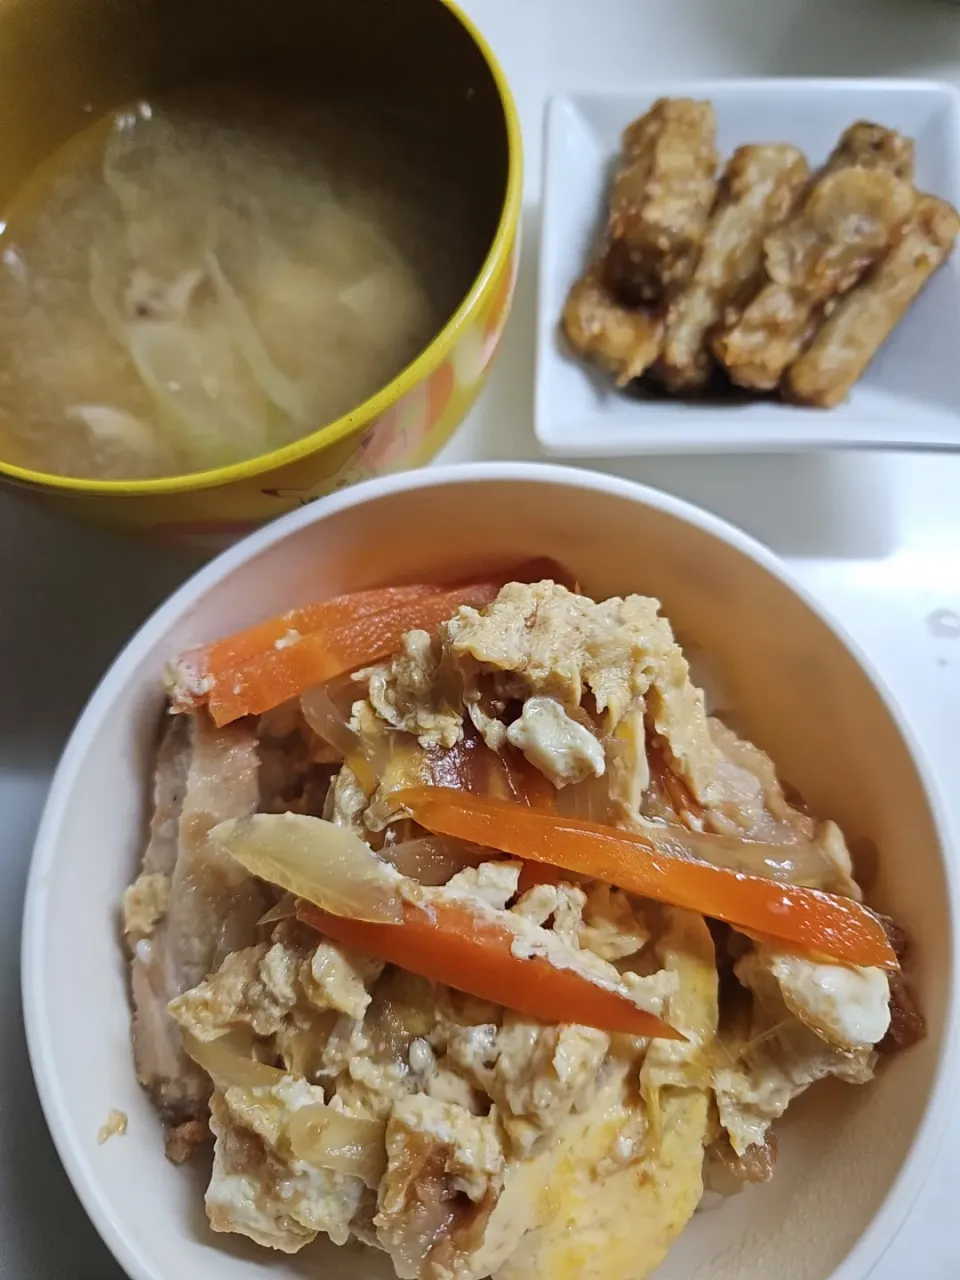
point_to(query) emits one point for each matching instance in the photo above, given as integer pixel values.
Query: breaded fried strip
(871, 146)
(623, 341)
(851, 337)
(845, 226)
(868, 146)
(661, 200)
(760, 187)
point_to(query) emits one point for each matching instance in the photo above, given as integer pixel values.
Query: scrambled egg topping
(258, 1187)
(496, 1145)
(554, 743)
(543, 641)
(809, 1021)
(507, 1120)
(145, 904)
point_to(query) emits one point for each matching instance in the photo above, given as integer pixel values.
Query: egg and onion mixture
(349, 1098)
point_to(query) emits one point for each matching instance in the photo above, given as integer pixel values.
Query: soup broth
(202, 278)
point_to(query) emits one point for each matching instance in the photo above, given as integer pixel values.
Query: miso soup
(202, 278)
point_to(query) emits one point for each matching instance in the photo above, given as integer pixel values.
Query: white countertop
(877, 536)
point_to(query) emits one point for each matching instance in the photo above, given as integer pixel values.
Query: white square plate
(909, 396)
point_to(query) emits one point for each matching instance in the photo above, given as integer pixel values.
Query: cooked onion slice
(805, 863)
(331, 1140)
(285, 909)
(433, 860)
(328, 722)
(589, 799)
(316, 860)
(318, 1134)
(366, 756)
(228, 1063)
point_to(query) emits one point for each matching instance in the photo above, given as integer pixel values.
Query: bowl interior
(416, 67)
(797, 690)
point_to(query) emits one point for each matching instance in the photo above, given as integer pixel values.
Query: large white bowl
(852, 1160)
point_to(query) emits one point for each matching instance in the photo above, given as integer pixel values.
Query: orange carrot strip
(222, 655)
(449, 943)
(257, 669)
(265, 681)
(817, 922)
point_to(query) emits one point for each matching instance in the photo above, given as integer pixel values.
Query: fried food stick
(790, 313)
(853, 334)
(661, 200)
(871, 146)
(623, 341)
(846, 224)
(760, 187)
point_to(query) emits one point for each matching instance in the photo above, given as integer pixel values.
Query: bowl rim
(417, 371)
(903, 1193)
